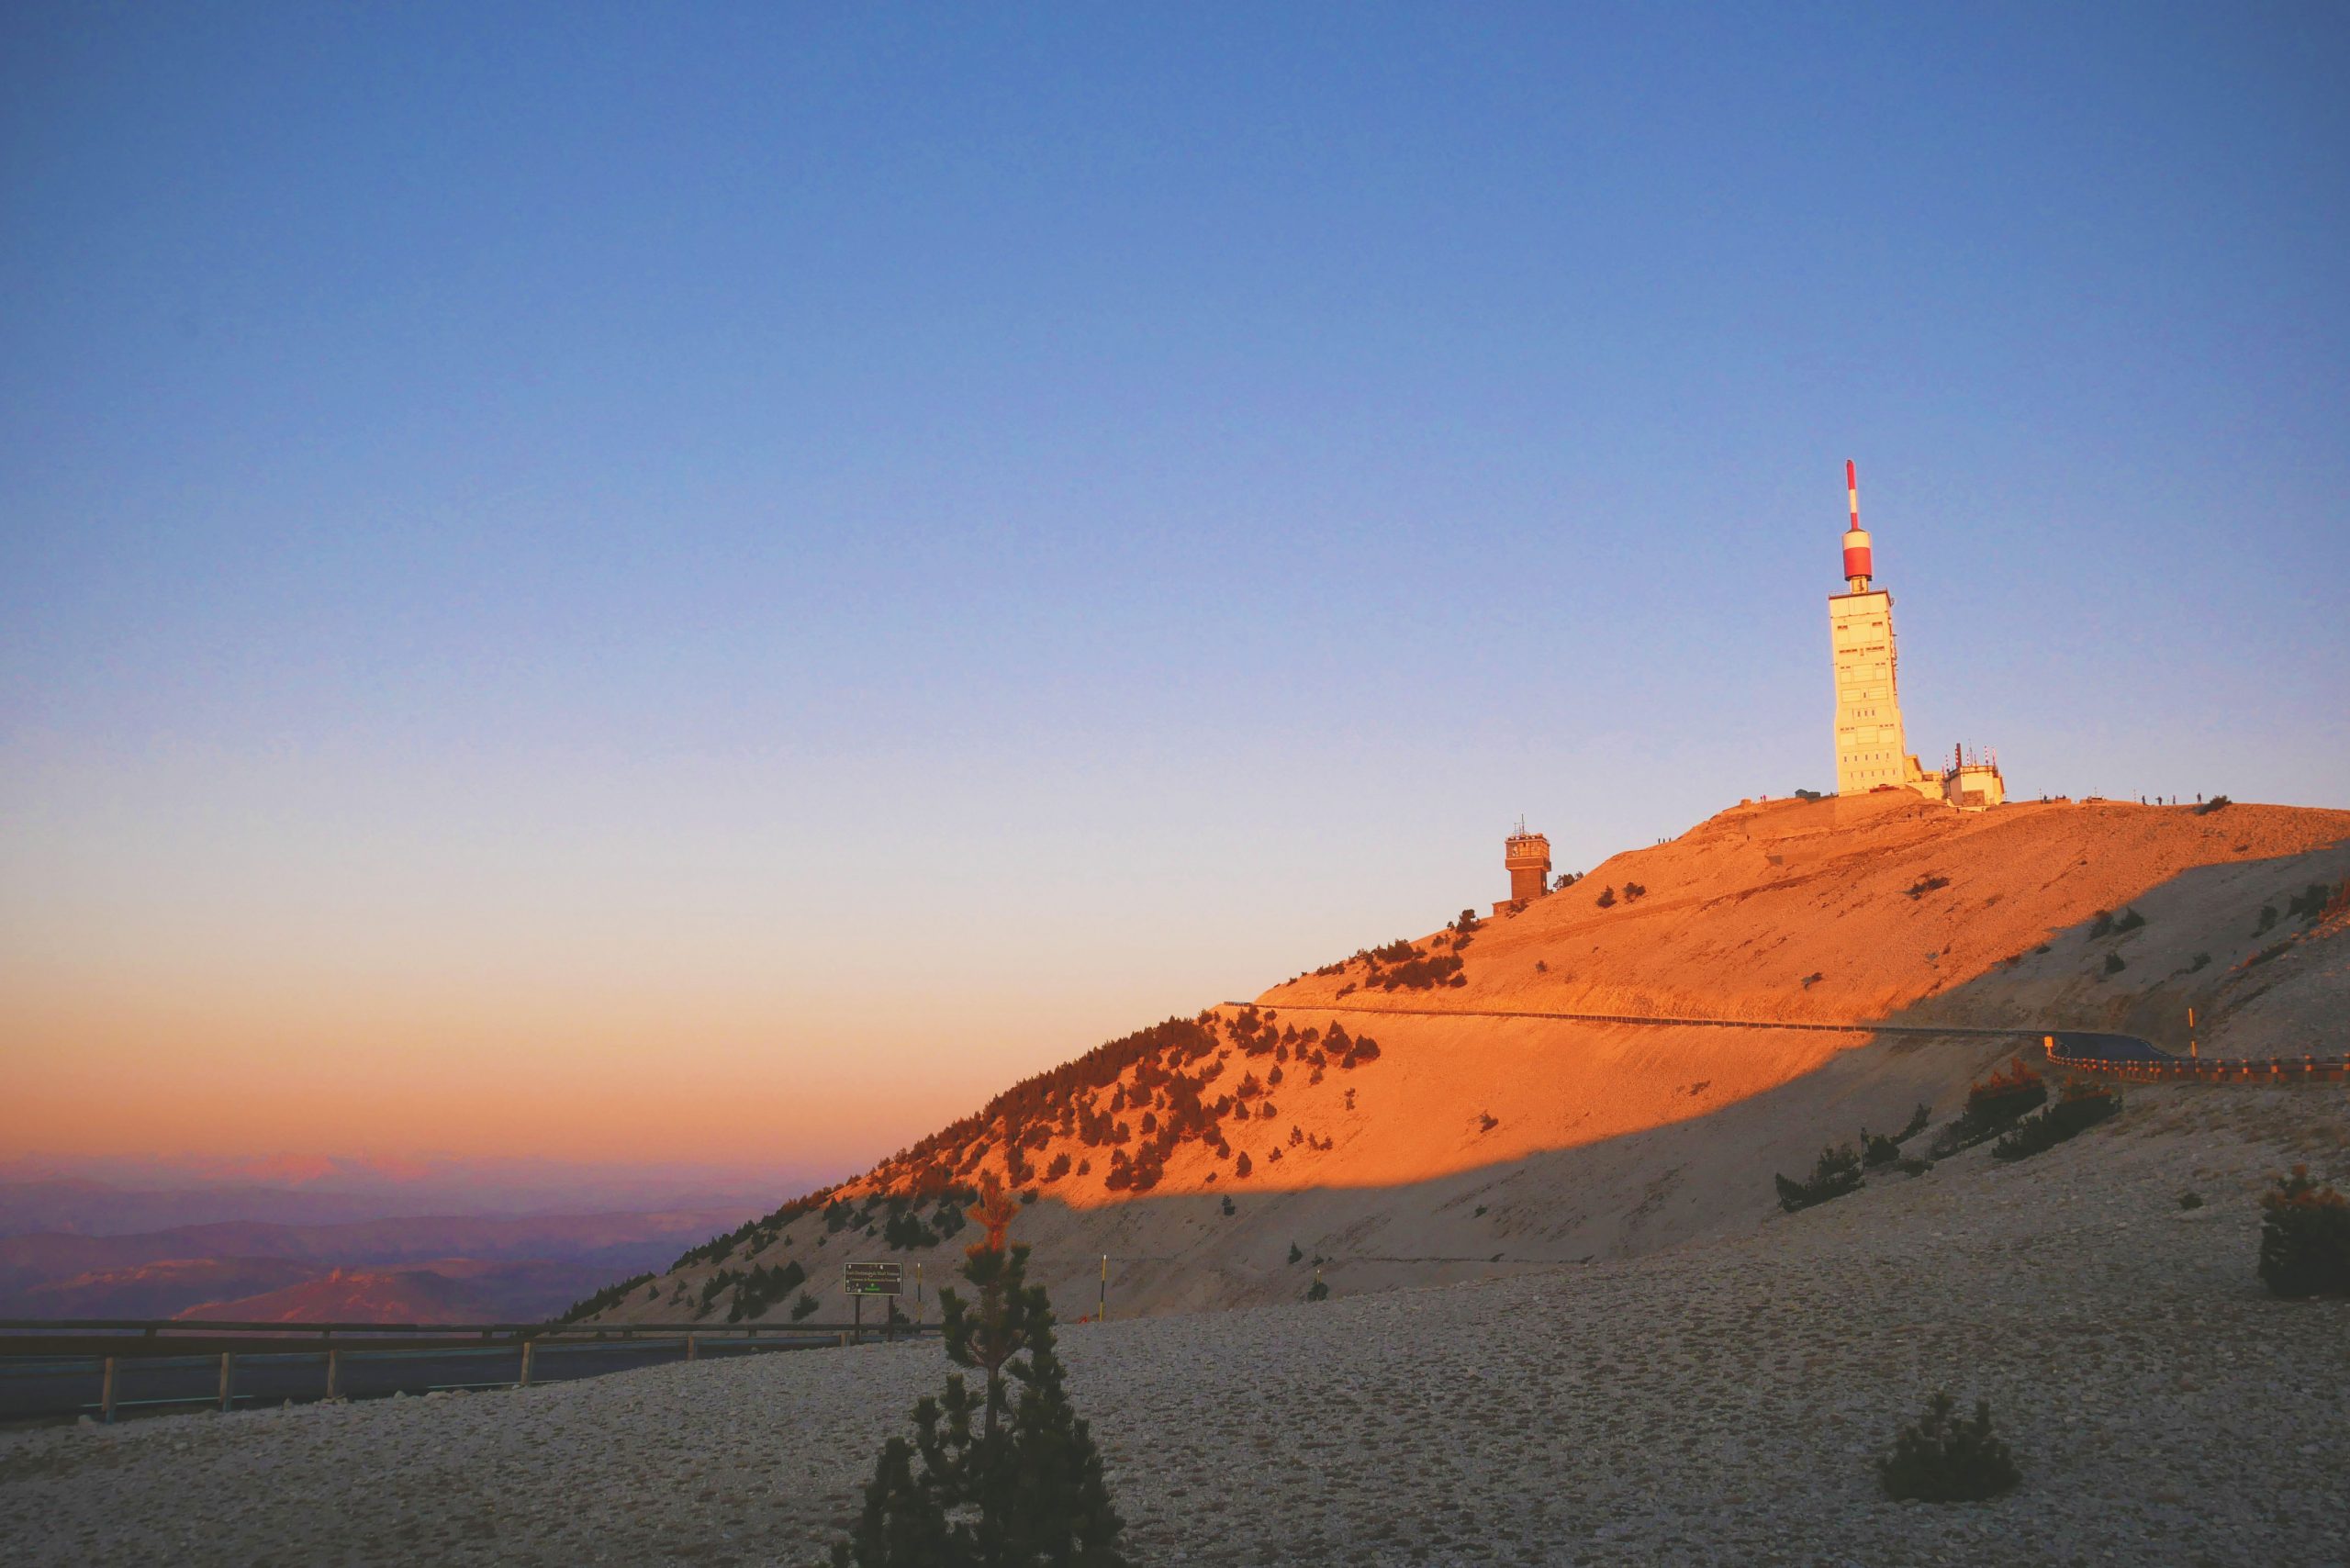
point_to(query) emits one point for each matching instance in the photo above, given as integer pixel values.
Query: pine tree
(1009, 1478)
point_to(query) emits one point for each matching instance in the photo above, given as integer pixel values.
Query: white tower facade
(1872, 749)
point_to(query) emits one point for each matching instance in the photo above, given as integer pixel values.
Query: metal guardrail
(175, 1348)
(156, 1327)
(2210, 1070)
(141, 1336)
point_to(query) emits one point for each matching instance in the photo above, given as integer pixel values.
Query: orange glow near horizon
(598, 1075)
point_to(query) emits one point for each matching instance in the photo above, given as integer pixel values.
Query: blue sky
(891, 543)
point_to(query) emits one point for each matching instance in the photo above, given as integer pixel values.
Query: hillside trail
(1695, 1022)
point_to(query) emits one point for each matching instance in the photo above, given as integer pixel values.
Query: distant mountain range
(520, 1269)
(112, 1196)
(354, 1240)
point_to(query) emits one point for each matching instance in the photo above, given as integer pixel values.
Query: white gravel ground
(1712, 1404)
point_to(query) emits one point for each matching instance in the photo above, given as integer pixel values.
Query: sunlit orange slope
(1881, 909)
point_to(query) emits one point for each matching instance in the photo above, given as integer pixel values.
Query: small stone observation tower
(1527, 856)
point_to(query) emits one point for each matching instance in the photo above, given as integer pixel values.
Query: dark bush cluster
(610, 1296)
(762, 1287)
(1835, 1173)
(1992, 1106)
(714, 1287)
(1941, 1460)
(2304, 1237)
(1925, 885)
(1401, 966)
(2108, 923)
(1838, 1171)
(2079, 1108)
(2311, 902)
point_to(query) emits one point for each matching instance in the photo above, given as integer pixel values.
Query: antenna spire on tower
(1859, 565)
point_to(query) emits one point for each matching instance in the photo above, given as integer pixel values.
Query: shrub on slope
(610, 1296)
(2082, 1108)
(1992, 1106)
(2304, 1237)
(1835, 1173)
(1941, 1460)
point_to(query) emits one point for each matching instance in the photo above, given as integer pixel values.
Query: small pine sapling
(1009, 1475)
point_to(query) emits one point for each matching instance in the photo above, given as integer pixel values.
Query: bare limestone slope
(1466, 1144)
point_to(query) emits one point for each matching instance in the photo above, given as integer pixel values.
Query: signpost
(873, 1279)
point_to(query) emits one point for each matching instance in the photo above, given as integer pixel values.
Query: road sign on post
(877, 1279)
(873, 1279)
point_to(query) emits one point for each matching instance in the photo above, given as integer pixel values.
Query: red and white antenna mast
(1859, 567)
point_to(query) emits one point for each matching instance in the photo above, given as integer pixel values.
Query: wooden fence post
(228, 1378)
(528, 1347)
(105, 1392)
(693, 1347)
(334, 1374)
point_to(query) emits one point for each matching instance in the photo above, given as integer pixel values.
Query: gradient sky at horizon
(720, 582)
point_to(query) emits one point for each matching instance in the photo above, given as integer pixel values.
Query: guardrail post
(529, 1346)
(334, 1374)
(105, 1392)
(228, 1378)
(693, 1347)
(843, 1339)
